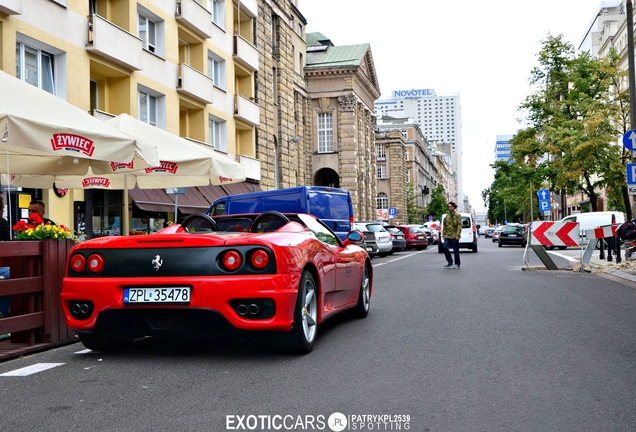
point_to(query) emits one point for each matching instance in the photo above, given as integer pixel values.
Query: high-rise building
(502, 148)
(437, 115)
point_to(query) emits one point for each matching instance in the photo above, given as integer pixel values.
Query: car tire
(475, 249)
(423, 248)
(549, 247)
(500, 245)
(382, 254)
(364, 295)
(440, 249)
(302, 337)
(101, 342)
(563, 247)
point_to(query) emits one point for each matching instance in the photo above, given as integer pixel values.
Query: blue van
(331, 205)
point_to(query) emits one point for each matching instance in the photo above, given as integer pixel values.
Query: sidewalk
(626, 269)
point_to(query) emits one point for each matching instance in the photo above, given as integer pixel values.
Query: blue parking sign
(392, 212)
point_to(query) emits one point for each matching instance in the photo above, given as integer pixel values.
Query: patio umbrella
(43, 134)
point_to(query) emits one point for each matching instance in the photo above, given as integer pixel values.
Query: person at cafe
(5, 229)
(37, 206)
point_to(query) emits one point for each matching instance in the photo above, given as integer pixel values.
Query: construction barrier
(594, 235)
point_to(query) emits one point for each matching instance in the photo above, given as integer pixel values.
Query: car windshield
(375, 228)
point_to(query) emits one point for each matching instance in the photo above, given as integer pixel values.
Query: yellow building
(186, 66)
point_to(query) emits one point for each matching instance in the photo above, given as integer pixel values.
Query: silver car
(382, 236)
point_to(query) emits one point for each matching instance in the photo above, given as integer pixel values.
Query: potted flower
(36, 229)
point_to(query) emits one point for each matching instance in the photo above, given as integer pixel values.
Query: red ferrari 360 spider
(281, 275)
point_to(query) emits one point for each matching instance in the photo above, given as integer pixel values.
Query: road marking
(30, 370)
(397, 259)
(84, 351)
(566, 257)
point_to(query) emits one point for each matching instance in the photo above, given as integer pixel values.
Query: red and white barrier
(555, 233)
(602, 232)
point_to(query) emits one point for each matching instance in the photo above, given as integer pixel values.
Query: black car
(397, 237)
(512, 235)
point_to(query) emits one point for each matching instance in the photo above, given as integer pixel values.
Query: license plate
(420, 237)
(369, 249)
(157, 295)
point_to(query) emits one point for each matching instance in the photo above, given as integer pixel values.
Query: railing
(35, 321)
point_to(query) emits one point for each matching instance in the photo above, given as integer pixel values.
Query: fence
(36, 321)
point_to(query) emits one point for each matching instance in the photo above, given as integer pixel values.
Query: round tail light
(232, 260)
(78, 263)
(259, 259)
(95, 263)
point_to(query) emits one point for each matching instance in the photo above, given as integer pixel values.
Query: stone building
(343, 87)
(391, 154)
(420, 164)
(284, 134)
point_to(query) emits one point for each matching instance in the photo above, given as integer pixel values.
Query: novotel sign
(413, 93)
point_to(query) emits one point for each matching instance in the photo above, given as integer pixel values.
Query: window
(383, 201)
(381, 171)
(35, 66)
(216, 70)
(217, 133)
(151, 31)
(148, 33)
(325, 132)
(147, 108)
(321, 232)
(218, 13)
(380, 152)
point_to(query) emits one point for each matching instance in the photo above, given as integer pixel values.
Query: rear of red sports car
(192, 285)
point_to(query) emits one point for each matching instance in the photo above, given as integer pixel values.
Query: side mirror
(355, 236)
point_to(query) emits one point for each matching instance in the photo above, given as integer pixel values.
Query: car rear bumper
(207, 293)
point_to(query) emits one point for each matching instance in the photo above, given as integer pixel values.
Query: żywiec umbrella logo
(64, 141)
(120, 165)
(224, 179)
(95, 181)
(169, 167)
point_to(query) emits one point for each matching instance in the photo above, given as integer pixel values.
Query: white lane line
(569, 258)
(84, 351)
(396, 259)
(29, 370)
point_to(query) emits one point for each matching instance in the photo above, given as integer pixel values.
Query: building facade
(185, 66)
(438, 116)
(343, 87)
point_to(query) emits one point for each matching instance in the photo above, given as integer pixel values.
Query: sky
(482, 49)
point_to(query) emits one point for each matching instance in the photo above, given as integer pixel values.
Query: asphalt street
(490, 347)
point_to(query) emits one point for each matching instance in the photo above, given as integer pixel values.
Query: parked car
(488, 232)
(382, 236)
(369, 243)
(397, 238)
(415, 236)
(495, 234)
(431, 236)
(512, 235)
(195, 280)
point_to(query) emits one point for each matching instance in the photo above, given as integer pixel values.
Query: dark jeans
(451, 243)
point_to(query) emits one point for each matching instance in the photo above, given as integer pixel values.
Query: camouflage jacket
(452, 225)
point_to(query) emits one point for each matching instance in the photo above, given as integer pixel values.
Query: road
(486, 348)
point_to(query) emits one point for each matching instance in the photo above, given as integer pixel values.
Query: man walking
(452, 231)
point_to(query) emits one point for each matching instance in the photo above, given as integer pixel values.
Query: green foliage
(578, 108)
(438, 205)
(414, 213)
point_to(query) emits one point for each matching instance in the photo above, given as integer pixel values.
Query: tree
(413, 212)
(438, 205)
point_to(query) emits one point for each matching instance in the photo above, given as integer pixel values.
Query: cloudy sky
(482, 49)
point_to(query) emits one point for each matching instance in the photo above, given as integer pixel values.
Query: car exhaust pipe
(254, 309)
(241, 309)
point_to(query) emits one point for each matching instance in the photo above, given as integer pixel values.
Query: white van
(593, 220)
(468, 238)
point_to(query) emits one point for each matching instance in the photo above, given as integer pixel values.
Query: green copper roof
(336, 56)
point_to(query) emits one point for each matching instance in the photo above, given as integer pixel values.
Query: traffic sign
(555, 233)
(544, 205)
(629, 140)
(543, 194)
(631, 173)
(392, 212)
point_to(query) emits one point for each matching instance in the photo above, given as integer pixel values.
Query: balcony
(114, 43)
(195, 17)
(195, 84)
(248, 7)
(245, 53)
(252, 167)
(11, 7)
(246, 110)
